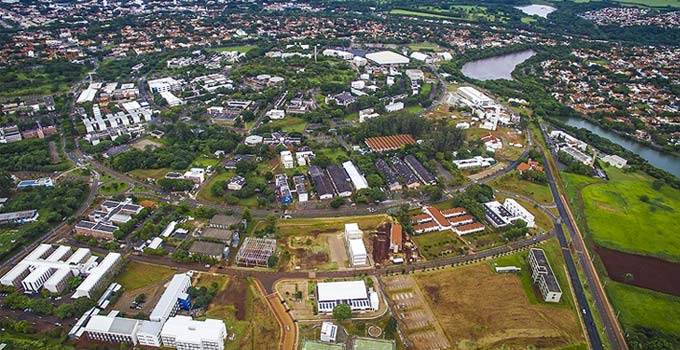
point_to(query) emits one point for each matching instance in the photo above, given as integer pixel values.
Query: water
(497, 67)
(537, 10)
(659, 159)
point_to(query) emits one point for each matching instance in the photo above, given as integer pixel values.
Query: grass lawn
(329, 225)
(150, 173)
(202, 162)
(414, 109)
(332, 153)
(440, 244)
(627, 214)
(137, 275)
(643, 307)
(553, 251)
(513, 183)
(401, 12)
(424, 47)
(290, 124)
(206, 195)
(241, 48)
(114, 187)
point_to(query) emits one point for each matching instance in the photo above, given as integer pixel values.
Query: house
(529, 165)
(197, 175)
(236, 183)
(542, 274)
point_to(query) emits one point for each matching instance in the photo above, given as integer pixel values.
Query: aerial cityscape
(340, 174)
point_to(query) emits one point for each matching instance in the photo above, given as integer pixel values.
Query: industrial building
(404, 173)
(354, 241)
(387, 58)
(354, 293)
(424, 175)
(340, 180)
(389, 143)
(475, 98)
(321, 182)
(500, 215)
(388, 174)
(542, 274)
(358, 180)
(210, 249)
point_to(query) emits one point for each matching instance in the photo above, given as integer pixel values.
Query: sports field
(626, 213)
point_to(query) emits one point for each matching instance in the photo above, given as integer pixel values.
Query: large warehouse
(387, 58)
(354, 293)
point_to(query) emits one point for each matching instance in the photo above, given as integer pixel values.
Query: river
(496, 67)
(537, 10)
(657, 158)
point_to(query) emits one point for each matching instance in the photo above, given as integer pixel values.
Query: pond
(496, 67)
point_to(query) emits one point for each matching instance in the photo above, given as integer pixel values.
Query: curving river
(496, 67)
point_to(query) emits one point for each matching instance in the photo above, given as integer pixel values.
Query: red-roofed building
(469, 228)
(437, 217)
(530, 165)
(420, 218)
(396, 238)
(426, 227)
(461, 220)
(453, 212)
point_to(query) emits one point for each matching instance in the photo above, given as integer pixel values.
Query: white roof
(358, 180)
(78, 256)
(38, 273)
(357, 247)
(58, 276)
(169, 229)
(179, 283)
(95, 275)
(13, 274)
(87, 95)
(331, 291)
(186, 330)
(38, 251)
(131, 106)
(155, 243)
(419, 56)
(387, 57)
(59, 253)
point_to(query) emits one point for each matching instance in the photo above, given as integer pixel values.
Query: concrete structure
(287, 160)
(164, 85)
(101, 223)
(354, 293)
(393, 107)
(183, 333)
(474, 162)
(197, 175)
(236, 183)
(542, 274)
(424, 175)
(615, 161)
(474, 97)
(356, 250)
(209, 249)
(19, 217)
(256, 251)
(112, 329)
(329, 332)
(388, 174)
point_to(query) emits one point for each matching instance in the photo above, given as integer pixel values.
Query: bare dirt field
(54, 153)
(642, 271)
(143, 143)
(479, 309)
(153, 293)
(414, 314)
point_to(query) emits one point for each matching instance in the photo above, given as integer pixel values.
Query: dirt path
(289, 331)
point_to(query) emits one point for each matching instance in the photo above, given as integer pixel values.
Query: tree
(342, 312)
(17, 301)
(337, 202)
(6, 183)
(41, 306)
(272, 261)
(64, 311)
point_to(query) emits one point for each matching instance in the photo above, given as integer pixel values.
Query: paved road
(611, 327)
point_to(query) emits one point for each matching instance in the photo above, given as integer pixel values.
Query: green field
(241, 48)
(113, 187)
(646, 308)
(553, 251)
(401, 12)
(289, 124)
(436, 245)
(137, 275)
(424, 47)
(512, 183)
(618, 218)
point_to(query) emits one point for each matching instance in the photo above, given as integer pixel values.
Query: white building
(197, 175)
(276, 114)
(543, 276)
(615, 161)
(171, 99)
(393, 107)
(164, 84)
(356, 250)
(345, 55)
(474, 97)
(287, 160)
(168, 304)
(97, 275)
(474, 162)
(503, 214)
(329, 332)
(415, 74)
(354, 293)
(387, 58)
(366, 114)
(183, 333)
(358, 180)
(112, 329)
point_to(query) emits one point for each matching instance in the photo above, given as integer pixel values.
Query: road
(611, 327)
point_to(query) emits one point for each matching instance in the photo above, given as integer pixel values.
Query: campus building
(500, 215)
(353, 293)
(356, 250)
(542, 274)
(174, 297)
(184, 333)
(101, 223)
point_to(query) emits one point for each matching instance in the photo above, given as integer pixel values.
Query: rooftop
(330, 291)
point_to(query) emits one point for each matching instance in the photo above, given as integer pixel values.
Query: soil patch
(234, 293)
(641, 271)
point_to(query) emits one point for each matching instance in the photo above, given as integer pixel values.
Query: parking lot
(415, 314)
